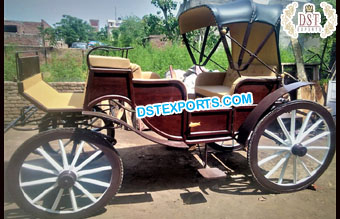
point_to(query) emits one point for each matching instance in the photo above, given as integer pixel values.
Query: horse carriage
(71, 167)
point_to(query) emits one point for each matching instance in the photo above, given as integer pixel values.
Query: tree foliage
(70, 29)
(166, 6)
(329, 43)
(130, 31)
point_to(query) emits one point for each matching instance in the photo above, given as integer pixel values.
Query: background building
(113, 24)
(95, 24)
(24, 33)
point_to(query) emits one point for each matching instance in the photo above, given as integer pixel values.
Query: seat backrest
(27, 66)
(256, 71)
(108, 62)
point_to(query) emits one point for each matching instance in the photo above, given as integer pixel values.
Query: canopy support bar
(245, 42)
(253, 55)
(185, 40)
(212, 51)
(204, 43)
(226, 47)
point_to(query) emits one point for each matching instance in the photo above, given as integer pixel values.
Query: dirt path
(161, 182)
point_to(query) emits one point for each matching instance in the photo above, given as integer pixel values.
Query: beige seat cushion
(137, 73)
(210, 91)
(209, 84)
(109, 62)
(50, 100)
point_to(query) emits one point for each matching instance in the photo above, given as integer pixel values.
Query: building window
(10, 28)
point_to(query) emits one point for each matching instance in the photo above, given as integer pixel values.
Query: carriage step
(212, 173)
(208, 172)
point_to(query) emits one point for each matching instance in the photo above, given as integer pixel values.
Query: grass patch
(64, 68)
(10, 71)
(71, 67)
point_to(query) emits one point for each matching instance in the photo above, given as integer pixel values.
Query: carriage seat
(48, 99)
(218, 84)
(118, 62)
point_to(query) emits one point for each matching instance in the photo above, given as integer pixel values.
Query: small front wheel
(292, 146)
(81, 175)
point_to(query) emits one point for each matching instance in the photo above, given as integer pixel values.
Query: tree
(49, 35)
(170, 22)
(102, 34)
(130, 31)
(166, 6)
(152, 24)
(72, 29)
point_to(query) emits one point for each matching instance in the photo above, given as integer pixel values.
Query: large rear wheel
(81, 175)
(292, 146)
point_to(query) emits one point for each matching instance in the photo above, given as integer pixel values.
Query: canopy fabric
(239, 11)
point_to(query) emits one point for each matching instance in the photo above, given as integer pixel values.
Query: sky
(52, 10)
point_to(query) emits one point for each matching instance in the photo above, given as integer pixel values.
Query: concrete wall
(13, 102)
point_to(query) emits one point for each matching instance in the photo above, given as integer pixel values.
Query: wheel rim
(293, 147)
(69, 181)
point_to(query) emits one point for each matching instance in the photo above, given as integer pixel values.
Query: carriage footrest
(212, 173)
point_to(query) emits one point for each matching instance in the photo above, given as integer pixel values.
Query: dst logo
(309, 21)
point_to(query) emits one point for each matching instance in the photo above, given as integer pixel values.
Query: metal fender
(256, 114)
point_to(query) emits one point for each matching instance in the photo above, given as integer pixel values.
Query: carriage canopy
(249, 23)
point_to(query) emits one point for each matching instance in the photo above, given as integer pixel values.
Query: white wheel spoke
(294, 169)
(76, 156)
(93, 146)
(95, 170)
(67, 143)
(277, 166)
(313, 158)
(275, 136)
(88, 160)
(284, 129)
(37, 168)
(317, 148)
(304, 125)
(38, 182)
(265, 160)
(304, 166)
(73, 199)
(303, 135)
(63, 154)
(292, 125)
(57, 199)
(95, 182)
(283, 170)
(50, 159)
(87, 193)
(44, 193)
(274, 148)
(315, 138)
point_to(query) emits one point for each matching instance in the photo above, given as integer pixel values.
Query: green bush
(287, 55)
(10, 72)
(159, 59)
(64, 68)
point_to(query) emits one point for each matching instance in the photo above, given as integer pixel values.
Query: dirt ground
(162, 182)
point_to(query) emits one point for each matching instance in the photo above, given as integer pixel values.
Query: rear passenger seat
(218, 84)
(118, 62)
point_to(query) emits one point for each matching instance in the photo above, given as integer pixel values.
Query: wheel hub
(299, 150)
(66, 179)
